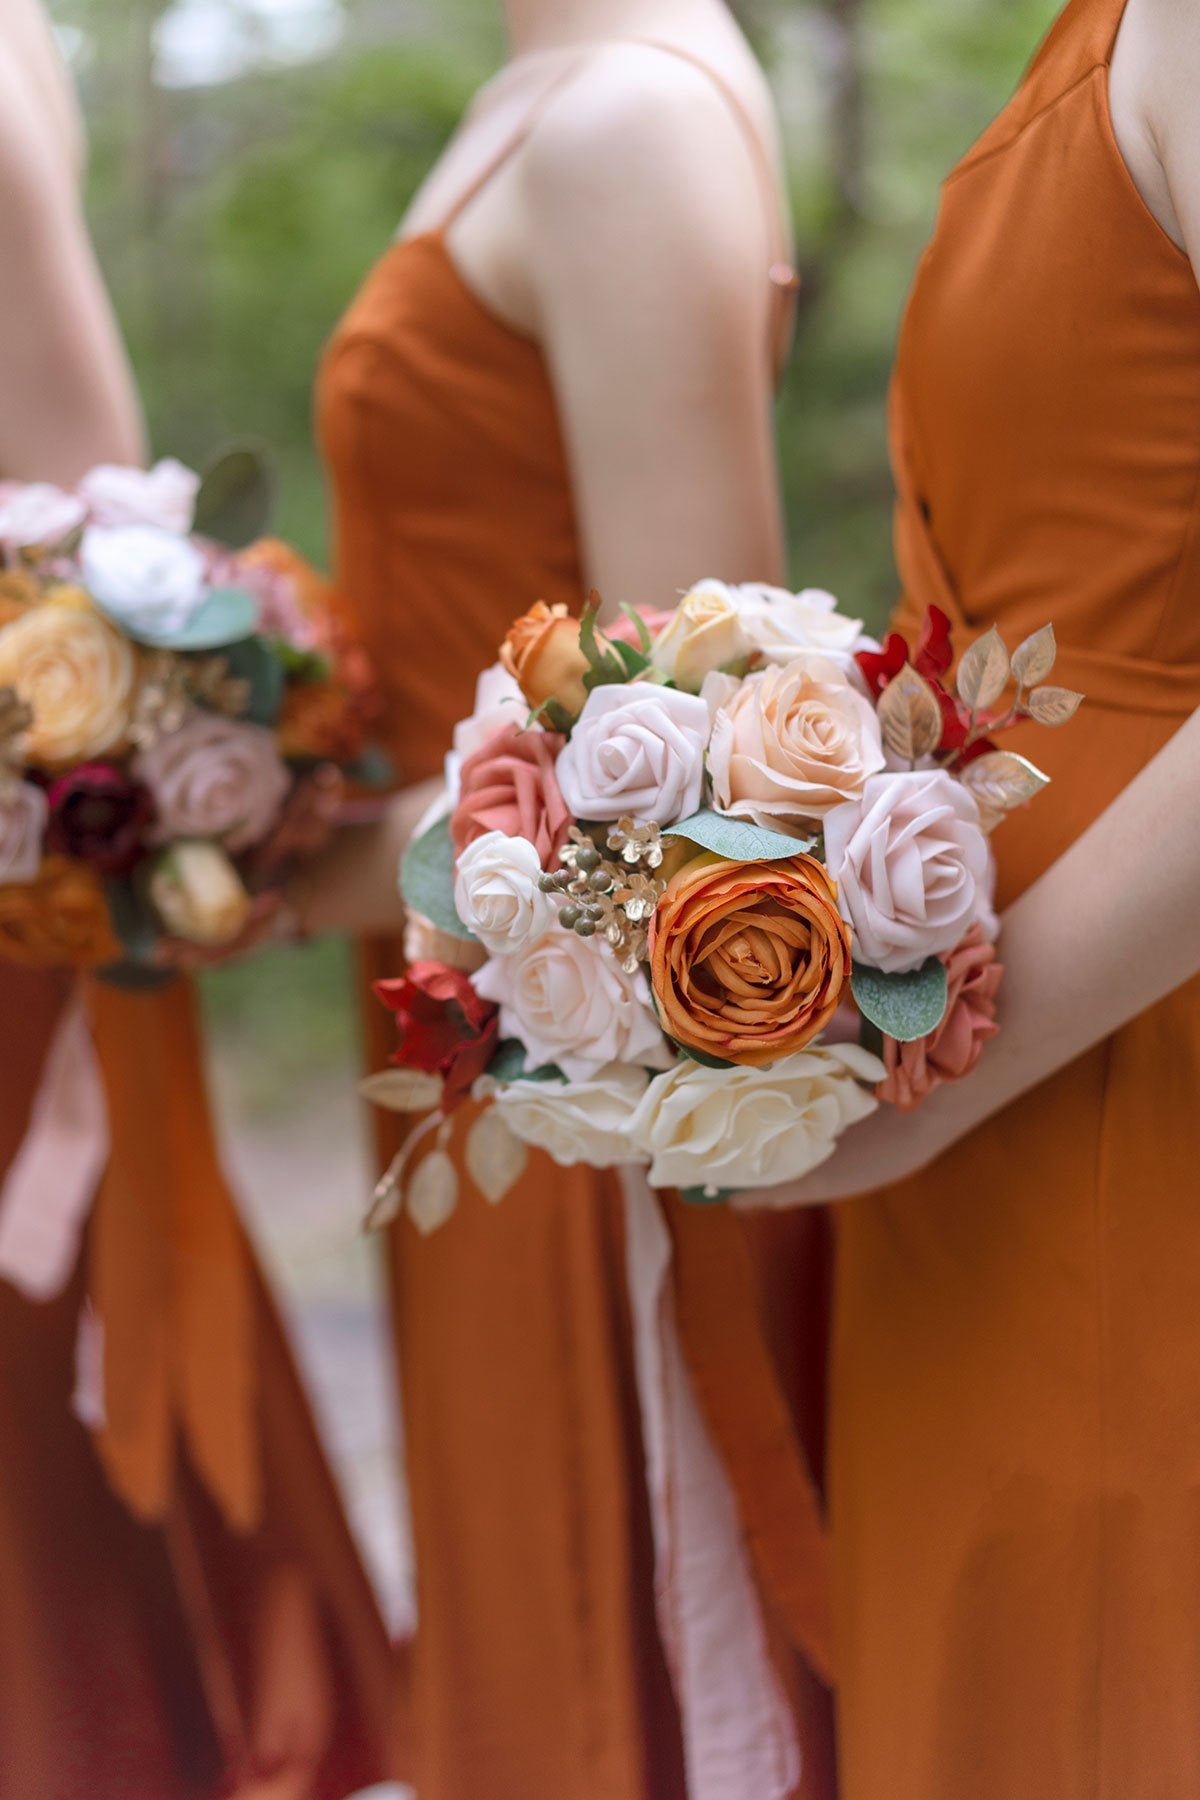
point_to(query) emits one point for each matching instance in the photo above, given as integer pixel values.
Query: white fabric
(739, 1735)
(52, 1181)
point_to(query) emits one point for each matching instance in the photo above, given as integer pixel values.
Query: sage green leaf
(740, 840)
(904, 1007)
(236, 497)
(226, 616)
(427, 880)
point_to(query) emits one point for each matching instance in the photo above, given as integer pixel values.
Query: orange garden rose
(320, 719)
(59, 918)
(543, 654)
(748, 960)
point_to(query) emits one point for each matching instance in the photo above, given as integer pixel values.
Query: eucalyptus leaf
(236, 497)
(904, 1007)
(427, 880)
(255, 662)
(226, 616)
(740, 840)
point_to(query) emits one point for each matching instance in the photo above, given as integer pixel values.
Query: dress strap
(520, 136)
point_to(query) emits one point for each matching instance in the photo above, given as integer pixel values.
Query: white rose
(37, 517)
(146, 579)
(636, 750)
(913, 867)
(496, 893)
(730, 1129)
(499, 702)
(705, 633)
(580, 1121)
(778, 624)
(569, 1002)
(164, 496)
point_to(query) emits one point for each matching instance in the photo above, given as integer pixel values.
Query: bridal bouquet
(705, 891)
(174, 713)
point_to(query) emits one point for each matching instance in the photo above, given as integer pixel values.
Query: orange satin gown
(536, 1669)
(1016, 1399)
(150, 1579)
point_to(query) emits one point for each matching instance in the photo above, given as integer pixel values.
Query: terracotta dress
(1016, 1404)
(150, 1570)
(537, 1668)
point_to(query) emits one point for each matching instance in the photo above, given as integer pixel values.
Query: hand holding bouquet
(174, 712)
(718, 883)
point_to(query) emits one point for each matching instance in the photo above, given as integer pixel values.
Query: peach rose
(954, 1047)
(790, 743)
(77, 673)
(748, 960)
(543, 654)
(60, 919)
(509, 785)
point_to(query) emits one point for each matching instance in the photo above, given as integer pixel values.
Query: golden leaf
(496, 1160)
(910, 718)
(402, 1090)
(432, 1192)
(1033, 660)
(1052, 705)
(1002, 780)
(983, 671)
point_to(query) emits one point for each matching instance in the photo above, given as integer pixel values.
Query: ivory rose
(778, 624)
(731, 1129)
(58, 920)
(198, 894)
(913, 867)
(581, 1122)
(496, 893)
(954, 1047)
(704, 633)
(543, 654)
(569, 1002)
(164, 496)
(748, 960)
(509, 784)
(636, 750)
(78, 675)
(23, 810)
(150, 581)
(790, 742)
(215, 778)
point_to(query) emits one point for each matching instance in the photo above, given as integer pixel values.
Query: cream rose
(496, 893)
(731, 1129)
(150, 581)
(636, 750)
(790, 742)
(76, 673)
(913, 868)
(705, 633)
(198, 894)
(778, 624)
(580, 1121)
(164, 496)
(23, 811)
(215, 778)
(38, 517)
(569, 1002)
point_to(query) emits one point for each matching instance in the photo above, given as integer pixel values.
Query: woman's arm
(1114, 925)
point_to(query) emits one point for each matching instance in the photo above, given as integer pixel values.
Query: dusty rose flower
(99, 816)
(509, 785)
(215, 778)
(913, 867)
(636, 751)
(954, 1047)
(790, 742)
(22, 822)
(543, 654)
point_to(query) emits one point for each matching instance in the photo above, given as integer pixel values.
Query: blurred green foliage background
(251, 157)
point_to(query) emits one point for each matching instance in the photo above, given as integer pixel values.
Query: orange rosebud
(60, 919)
(748, 960)
(543, 654)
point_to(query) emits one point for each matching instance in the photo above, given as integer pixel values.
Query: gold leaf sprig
(1000, 780)
(611, 891)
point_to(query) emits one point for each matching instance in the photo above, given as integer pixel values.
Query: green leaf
(738, 839)
(508, 1064)
(254, 661)
(427, 880)
(702, 1056)
(904, 1007)
(135, 922)
(700, 1196)
(227, 616)
(136, 978)
(297, 663)
(640, 626)
(605, 666)
(633, 661)
(236, 498)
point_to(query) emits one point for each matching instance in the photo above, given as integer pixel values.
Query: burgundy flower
(99, 816)
(445, 1027)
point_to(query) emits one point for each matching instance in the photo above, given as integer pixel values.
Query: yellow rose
(705, 633)
(76, 672)
(543, 654)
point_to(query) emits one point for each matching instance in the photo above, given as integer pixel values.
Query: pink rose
(509, 785)
(215, 778)
(955, 1046)
(37, 517)
(913, 867)
(164, 495)
(636, 750)
(23, 810)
